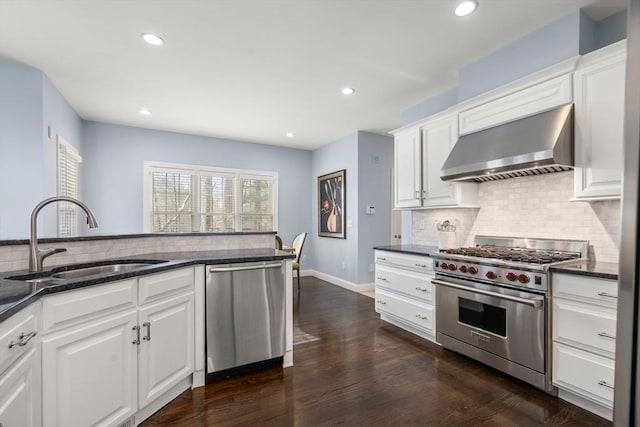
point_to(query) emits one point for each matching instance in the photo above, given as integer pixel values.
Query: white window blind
(192, 199)
(68, 178)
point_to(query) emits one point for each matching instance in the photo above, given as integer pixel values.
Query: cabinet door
(166, 347)
(20, 392)
(599, 125)
(89, 373)
(438, 138)
(408, 169)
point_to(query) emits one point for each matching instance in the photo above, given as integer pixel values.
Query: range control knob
(511, 276)
(523, 278)
(463, 269)
(444, 266)
(473, 270)
(453, 267)
(491, 275)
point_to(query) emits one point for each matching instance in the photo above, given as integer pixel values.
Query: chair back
(298, 243)
(278, 242)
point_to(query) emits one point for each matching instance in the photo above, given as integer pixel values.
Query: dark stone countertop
(409, 249)
(602, 270)
(17, 294)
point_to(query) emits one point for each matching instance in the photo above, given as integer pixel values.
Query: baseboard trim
(335, 280)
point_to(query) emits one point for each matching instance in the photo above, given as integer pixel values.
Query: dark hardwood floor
(365, 372)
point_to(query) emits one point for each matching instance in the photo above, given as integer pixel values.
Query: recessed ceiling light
(152, 39)
(144, 112)
(466, 7)
(290, 135)
(348, 91)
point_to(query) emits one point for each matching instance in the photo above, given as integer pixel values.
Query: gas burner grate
(521, 255)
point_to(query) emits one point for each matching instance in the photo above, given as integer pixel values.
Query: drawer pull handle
(603, 383)
(421, 265)
(608, 295)
(148, 336)
(380, 258)
(384, 279)
(606, 335)
(23, 339)
(418, 288)
(419, 316)
(382, 302)
(137, 340)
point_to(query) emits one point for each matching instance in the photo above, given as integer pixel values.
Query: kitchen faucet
(37, 255)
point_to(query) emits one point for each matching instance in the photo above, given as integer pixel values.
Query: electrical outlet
(304, 257)
(422, 225)
(344, 265)
(371, 268)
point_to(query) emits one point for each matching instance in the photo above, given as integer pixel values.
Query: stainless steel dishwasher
(245, 317)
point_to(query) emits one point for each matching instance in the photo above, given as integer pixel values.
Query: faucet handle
(57, 250)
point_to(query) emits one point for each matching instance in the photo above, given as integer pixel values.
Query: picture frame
(332, 204)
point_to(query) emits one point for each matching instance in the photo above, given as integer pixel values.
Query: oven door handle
(535, 302)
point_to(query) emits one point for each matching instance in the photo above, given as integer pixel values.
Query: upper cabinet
(525, 101)
(420, 152)
(599, 123)
(408, 169)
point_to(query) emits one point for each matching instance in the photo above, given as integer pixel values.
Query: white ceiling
(254, 70)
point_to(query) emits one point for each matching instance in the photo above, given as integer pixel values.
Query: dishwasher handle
(248, 267)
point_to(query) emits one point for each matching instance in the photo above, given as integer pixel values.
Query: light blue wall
(612, 29)
(375, 163)
(113, 177)
(430, 106)
(588, 34)
(327, 254)
(21, 154)
(549, 45)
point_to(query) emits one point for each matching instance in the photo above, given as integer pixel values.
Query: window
(182, 198)
(68, 178)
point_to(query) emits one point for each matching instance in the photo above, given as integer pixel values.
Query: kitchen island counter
(17, 294)
(409, 249)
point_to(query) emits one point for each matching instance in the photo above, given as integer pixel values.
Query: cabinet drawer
(413, 262)
(420, 315)
(591, 327)
(586, 289)
(413, 284)
(20, 332)
(70, 308)
(160, 285)
(589, 375)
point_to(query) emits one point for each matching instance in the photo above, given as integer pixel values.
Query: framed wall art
(331, 204)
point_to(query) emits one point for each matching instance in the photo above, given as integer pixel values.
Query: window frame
(73, 153)
(196, 171)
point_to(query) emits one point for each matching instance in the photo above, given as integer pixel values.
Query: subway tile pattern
(14, 258)
(538, 207)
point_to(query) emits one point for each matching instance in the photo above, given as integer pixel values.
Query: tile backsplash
(535, 206)
(16, 257)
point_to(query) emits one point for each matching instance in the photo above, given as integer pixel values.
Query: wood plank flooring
(365, 372)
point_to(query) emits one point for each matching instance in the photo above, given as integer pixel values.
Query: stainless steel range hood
(533, 145)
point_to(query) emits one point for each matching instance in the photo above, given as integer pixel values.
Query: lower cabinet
(105, 357)
(20, 381)
(584, 341)
(403, 292)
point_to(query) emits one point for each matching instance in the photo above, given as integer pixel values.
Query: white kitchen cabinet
(20, 396)
(584, 339)
(90, 372)
(520, 102)
(599, 123)
(420, 152)
(408, 169)
(404, 294)
(106, 358)
(166, 350)
(438, 138)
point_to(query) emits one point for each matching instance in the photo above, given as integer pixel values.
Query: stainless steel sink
(69, 273)
(98, 270)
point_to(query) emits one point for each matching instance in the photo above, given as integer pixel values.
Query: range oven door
(507, 323)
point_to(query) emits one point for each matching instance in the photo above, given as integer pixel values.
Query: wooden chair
(297, 245)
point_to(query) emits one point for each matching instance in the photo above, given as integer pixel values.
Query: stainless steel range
(493, 302)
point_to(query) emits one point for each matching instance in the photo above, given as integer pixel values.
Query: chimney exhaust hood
(542, 143)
